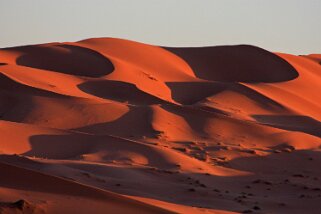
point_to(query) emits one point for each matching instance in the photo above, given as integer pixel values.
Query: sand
(108, 125)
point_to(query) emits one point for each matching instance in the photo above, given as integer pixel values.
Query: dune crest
(112, 124)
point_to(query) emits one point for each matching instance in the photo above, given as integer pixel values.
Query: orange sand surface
(114, 126)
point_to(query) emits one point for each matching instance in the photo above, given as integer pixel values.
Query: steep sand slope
(94, 124)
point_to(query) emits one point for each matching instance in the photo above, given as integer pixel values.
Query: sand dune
(111, 125)
(243, 63)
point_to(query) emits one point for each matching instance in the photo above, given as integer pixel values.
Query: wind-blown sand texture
(114, 126)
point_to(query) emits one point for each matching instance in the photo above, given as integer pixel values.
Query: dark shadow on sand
(240, 63)
(119, 91)
(66, 59)
(298, 123)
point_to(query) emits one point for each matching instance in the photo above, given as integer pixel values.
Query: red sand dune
(114, 126)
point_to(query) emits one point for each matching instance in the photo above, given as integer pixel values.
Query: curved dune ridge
(114, 125)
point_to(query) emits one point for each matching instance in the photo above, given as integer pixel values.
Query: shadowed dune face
(66, 59)
(227, 129)
(16, 100)
(292, 122)
(298, 159)
(49, 146)
(241, 63)
(102, 149)
(191, 92)
(10, 85)
(136, 122)
(120, 91)
(55, 188)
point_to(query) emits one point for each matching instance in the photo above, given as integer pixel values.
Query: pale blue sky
(291, 26)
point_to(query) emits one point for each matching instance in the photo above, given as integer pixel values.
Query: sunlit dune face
(226, 129)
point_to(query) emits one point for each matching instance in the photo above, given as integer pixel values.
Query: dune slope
(111, 124)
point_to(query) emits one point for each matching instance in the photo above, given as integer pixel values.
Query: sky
(290, 26)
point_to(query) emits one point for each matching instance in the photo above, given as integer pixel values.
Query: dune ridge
(135, 128)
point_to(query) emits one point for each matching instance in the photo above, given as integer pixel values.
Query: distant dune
(109, 125)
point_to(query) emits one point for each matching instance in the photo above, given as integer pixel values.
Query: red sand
(114, 126)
